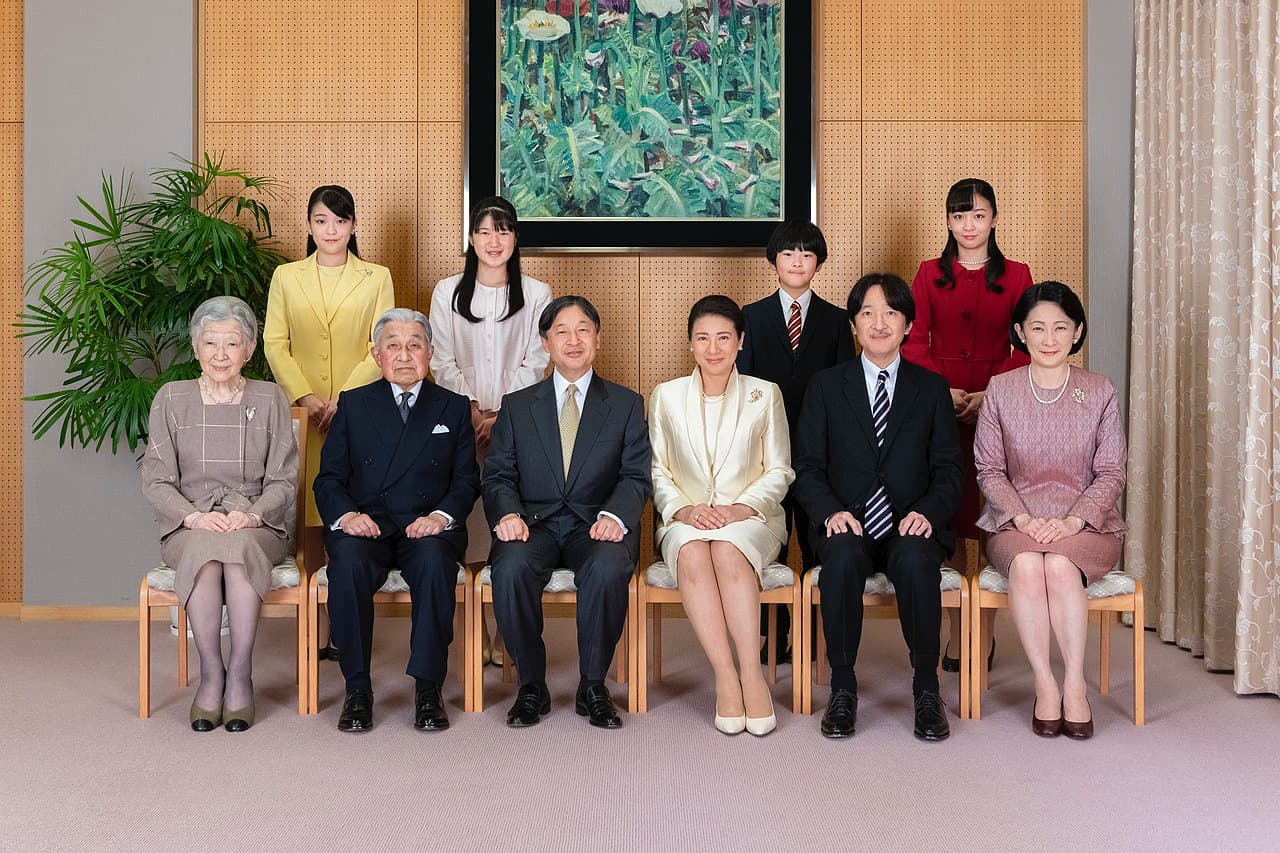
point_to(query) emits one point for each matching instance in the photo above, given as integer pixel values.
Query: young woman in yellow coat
(320, 316)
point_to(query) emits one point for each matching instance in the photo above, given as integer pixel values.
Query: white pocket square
(439, 428)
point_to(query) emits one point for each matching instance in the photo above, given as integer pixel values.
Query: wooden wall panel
(840, 207)
(839, 77)
(962, 60)
(377, 162)
(1034, 167)
(441, 69)
(313, 61)
(440, 218)
(12, 428)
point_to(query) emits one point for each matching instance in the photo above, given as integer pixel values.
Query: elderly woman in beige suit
(721, 467)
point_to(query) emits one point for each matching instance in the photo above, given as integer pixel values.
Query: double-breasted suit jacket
(318, 346)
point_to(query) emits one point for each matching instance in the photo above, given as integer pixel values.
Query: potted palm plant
(116, 297)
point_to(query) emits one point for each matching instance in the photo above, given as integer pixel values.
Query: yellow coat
(320, 349)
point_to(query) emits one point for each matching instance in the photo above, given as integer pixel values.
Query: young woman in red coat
(963, 303)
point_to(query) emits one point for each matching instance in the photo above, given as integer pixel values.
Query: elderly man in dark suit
(565, 482)
(879, 471)
(397, 478)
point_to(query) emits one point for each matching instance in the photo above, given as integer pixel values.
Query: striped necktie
(793, 326)
(878, 518)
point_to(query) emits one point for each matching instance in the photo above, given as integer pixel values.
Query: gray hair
(220, 308)
(401, 315)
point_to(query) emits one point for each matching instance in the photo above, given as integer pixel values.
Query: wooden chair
(561, 589)
(394, 591)
(1114, 594)
(878, 600)
(288, 587)
(781, 586)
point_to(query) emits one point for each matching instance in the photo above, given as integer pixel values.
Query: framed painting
(640, 125)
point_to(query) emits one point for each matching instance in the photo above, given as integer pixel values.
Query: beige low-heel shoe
(731, 725)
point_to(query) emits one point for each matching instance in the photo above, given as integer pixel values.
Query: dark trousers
(913, 565)
(601, 570)
(358, 568)
(793, 515)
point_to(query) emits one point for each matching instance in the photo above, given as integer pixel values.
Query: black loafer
(953, 664)
(357, 712)
(931, 717)
(841, 717)
(428, 710)
(327, 653)
(594, 701)
(532, 702)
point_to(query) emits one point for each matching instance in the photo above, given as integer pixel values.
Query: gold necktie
(568, 426)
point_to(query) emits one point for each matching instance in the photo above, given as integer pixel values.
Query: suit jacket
(394, 471)
(752, 462)
(825, 341)
(609, 471)
(839, 465)
(321, 349)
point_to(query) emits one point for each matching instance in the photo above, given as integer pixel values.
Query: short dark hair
(559, 304)
(798, 234)
(717, 306)
(1048, 291)
(896, 292)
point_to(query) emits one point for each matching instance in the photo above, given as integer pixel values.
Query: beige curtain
(1204, 460)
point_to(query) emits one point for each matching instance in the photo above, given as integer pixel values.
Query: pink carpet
(81, 771)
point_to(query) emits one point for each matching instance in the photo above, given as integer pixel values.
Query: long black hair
(340, 203)
(504, 219)
(960, 199)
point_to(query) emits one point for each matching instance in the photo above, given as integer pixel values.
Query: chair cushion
(561, 580)
(283, 576)
(395, 583)
(878, 584)
(1110, 584)
(774, 576)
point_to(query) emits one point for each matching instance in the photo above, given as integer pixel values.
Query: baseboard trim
(10, 610)
(77, 613)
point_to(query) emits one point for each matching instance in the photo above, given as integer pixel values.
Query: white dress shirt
(805, 299)
(562, 393)
(871, 373)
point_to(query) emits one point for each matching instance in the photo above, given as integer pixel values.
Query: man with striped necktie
(879, 471)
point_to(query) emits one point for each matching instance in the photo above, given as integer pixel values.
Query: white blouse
(493, 357)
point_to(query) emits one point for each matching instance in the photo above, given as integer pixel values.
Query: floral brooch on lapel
(1077, 394)
(755, 396)
(250, 412)
(367, 272)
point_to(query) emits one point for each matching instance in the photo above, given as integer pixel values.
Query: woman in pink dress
(1050, 455)
(963, 301)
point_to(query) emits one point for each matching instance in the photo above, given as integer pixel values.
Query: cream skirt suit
(318, 342)
(741, 455)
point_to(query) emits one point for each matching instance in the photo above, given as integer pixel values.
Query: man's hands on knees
(360, 524)
(843, 522)
(511, 528)
(426, 525)
(606, 529)
(915, 524)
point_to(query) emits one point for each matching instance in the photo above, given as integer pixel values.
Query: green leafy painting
(664, 109)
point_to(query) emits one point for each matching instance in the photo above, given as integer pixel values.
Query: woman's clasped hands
(1048, 530)
(707, 517)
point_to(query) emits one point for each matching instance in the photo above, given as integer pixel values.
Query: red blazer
(963, 332)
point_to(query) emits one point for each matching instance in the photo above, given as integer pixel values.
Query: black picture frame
(642, 234)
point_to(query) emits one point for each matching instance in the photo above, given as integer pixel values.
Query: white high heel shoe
(731, 725)
(761, 726)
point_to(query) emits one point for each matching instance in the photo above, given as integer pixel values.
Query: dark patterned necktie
(878, 518)
(793, 326)
(404, 405)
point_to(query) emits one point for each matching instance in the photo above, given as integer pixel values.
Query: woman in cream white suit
(721, 467)
(320, 316)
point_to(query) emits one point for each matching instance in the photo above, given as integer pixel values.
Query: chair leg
(977, 663)
(182, 646)
(633, 672)
(300, 650)
(1104, 651)
(799, 668)
(641, 674)
(802, 667)
(144, 653)
(313, 648)
(965, 628)
(464, 628)
(1139, 659)
(477, 646)
(657, 643)
(508, 671)
(771, 643)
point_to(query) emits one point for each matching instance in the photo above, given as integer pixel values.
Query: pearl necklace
(973, 263)
(208, 391)
(1061, 391)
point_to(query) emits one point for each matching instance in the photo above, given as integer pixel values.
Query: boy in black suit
(792, 334)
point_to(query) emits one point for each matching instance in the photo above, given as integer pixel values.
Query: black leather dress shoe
(953, 664)
(327, 653)
(931, 717)
(428, 710)
(595, 702)
(784, 652)
(841, 717)
(532, 701)
(357, 712)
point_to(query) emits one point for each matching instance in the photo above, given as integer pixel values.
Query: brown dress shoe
(1078, 731)
(1045, 728)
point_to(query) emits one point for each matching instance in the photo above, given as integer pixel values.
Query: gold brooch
(756, 395)
(1077, 394)
(368, 272)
